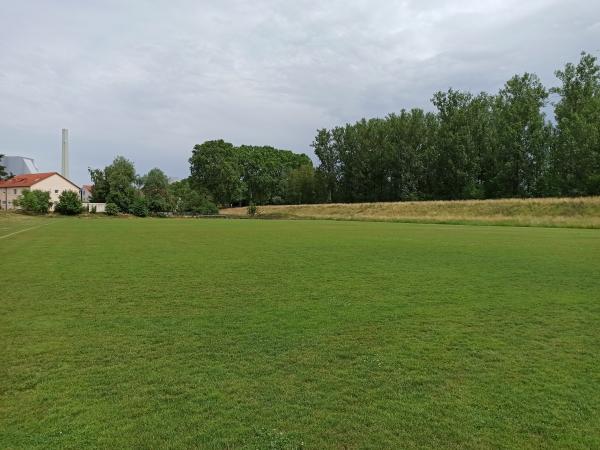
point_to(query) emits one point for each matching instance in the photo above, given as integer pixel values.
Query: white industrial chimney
(65, 153)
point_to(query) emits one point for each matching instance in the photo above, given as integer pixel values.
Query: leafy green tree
(472, 146)
(522, 138)
(409, 140)
(180, 191)
(353, 164)
(330, 161)
(214, 167)
(259, 173)
(69, 203)
(457, 165)
(187, 200)
(245, 174)
(264, 171)
(301, 185)
(139, 207)
(115, 184)
(100, 186)
(120, 176)
(36, 201)
(111, 209)
(156, 191)
(576, 153)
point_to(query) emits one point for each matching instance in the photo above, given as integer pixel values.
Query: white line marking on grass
(22, 231)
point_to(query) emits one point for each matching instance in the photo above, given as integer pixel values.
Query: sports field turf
(166, 333)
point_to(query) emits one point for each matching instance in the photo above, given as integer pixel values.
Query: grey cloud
(151, 79)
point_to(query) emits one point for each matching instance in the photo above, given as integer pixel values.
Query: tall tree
(329, 157)
(264, 171)
(100, 186)
(186, 199)
(473, 146)
(214, 167)
(457, 162)
(351, 144)
(522, 138)
(576, 154)
(245, 174)
(114, 184)
(301, 185)
(121, 176)
(156, 191)
(409, 139)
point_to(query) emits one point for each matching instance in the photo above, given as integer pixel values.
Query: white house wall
(56, 185)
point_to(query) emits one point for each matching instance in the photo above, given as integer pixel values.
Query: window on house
(14, 191)
(56, 191)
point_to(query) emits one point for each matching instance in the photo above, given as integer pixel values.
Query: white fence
(100, 207)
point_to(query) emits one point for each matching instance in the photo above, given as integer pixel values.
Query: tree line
(473, 146)
(252, 174)
(220, 174)
(469, 147)
(124, 191)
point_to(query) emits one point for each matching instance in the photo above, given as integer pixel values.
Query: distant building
(52, 182)
(19, 164)
(86, 193)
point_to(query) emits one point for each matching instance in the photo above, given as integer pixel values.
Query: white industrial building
(18, 165)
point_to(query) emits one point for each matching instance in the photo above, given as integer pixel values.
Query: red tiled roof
(26, 180)
(87, 187)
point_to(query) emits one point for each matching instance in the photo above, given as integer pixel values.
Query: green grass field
(11, 224)
(167, 333)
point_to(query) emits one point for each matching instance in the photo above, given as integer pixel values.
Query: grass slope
(553, 212)
(153, 333)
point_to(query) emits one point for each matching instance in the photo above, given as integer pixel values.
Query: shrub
(37, 202)
(111, 209)
(69, 203)
(93, 210)
(140, 207)
(205, 208)
(252, 210)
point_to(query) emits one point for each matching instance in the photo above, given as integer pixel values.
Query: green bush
(252, 209)
(69, 203)
(37, 202)
(111, 209)
(93, 210)
(205, 208)
(140, 207)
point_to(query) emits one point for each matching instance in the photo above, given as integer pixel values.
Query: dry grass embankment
(581, 212)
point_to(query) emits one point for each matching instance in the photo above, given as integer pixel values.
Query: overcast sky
(149, 79)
